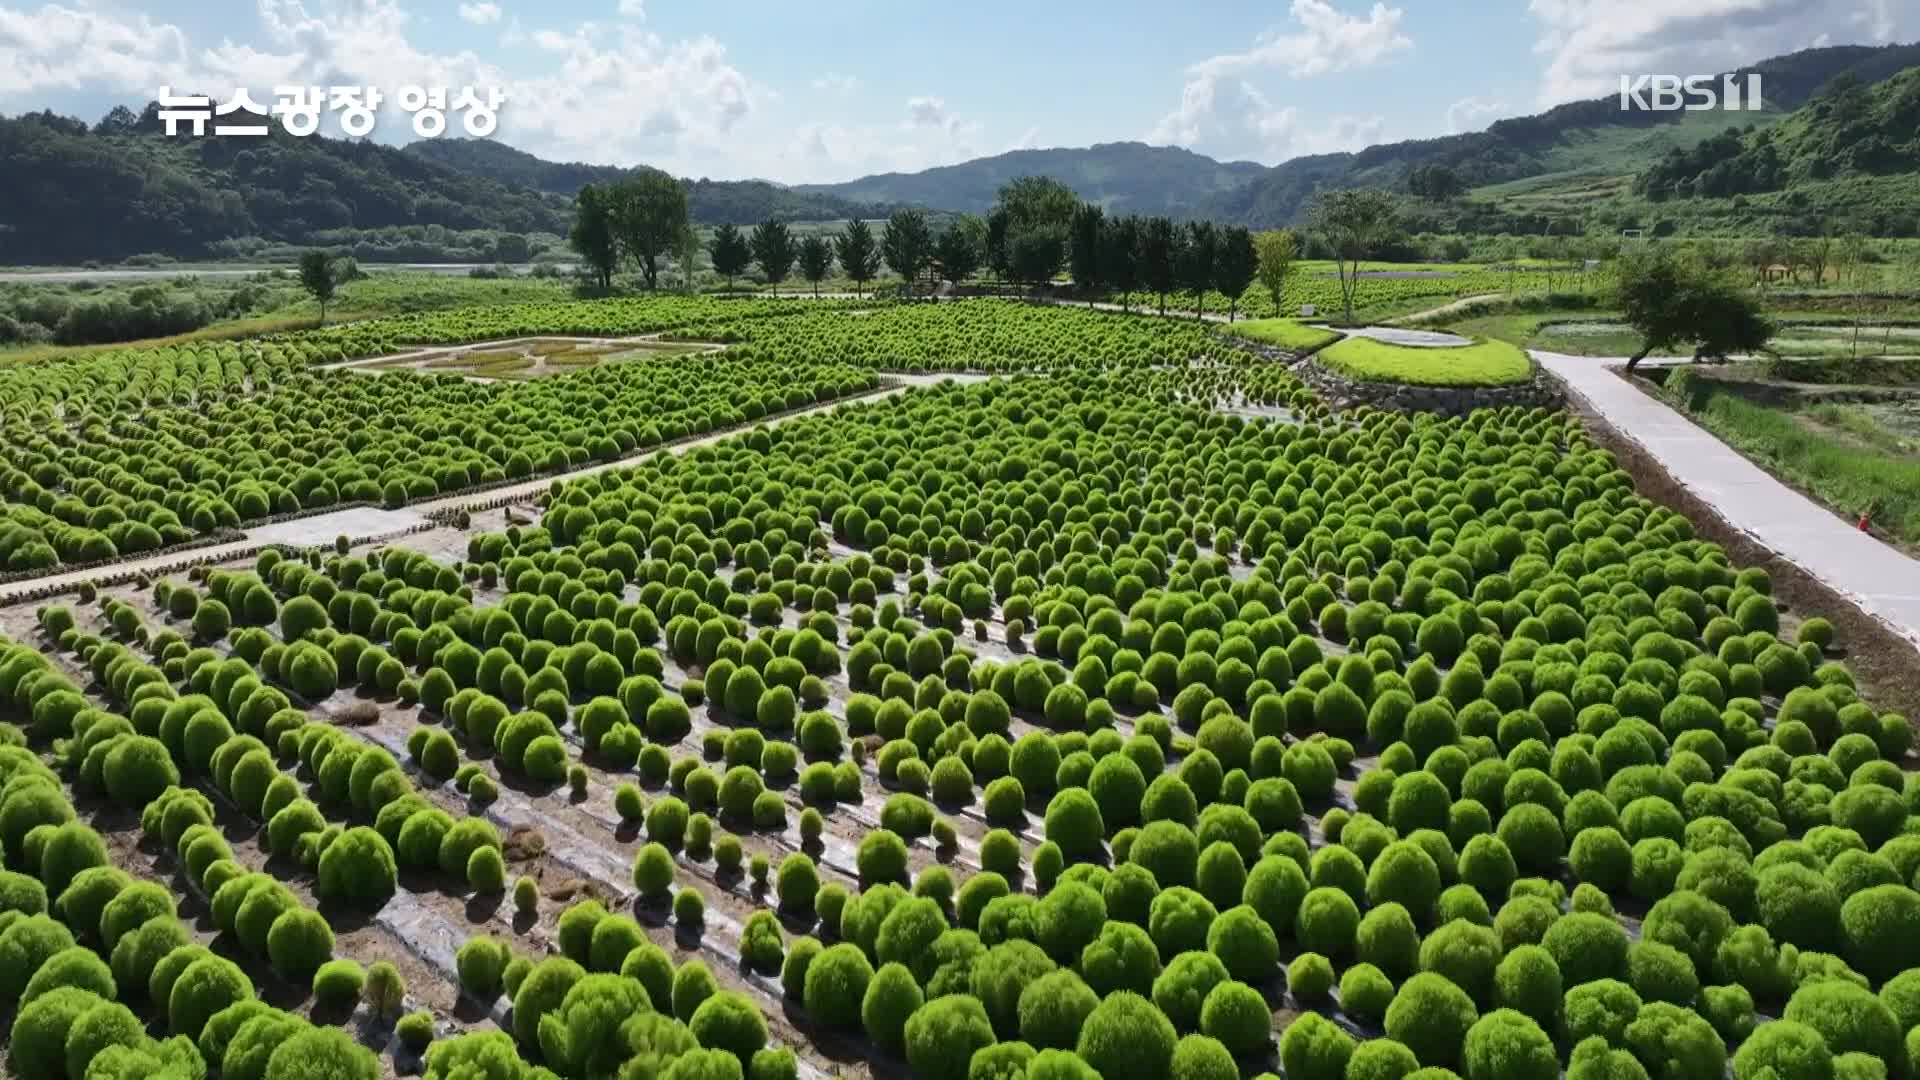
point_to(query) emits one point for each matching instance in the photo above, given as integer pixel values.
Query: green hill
(1838, 140)
(1847, 159)
(1848, 130)
(71, 192)
(711, 202)
(1527, 170)
(1127, 177)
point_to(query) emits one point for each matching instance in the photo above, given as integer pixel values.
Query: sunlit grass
(1484, 363)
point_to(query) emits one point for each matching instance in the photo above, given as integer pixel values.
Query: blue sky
(820, 92)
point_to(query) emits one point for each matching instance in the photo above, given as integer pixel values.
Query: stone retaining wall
(1342, 392)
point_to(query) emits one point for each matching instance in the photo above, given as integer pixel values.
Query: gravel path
(1881, 581)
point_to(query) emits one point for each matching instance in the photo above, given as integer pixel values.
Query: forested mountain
(1585, 137)
(1849, 129)
(711, 202)
(1125, 177)
(70, 192)
(1838, 139)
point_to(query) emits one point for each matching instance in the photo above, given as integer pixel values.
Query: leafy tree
(816, 259)
(687, 252)
(649, 214)
(1195, 267)
(996, 244)
(321, 275)
(1159, 246)
(729, 252)
(1119, 247)
(1234, 265)
(1034, 202)
(1083, 248)
(592, 236)
(773, 249)
(1815, 253)
(857, 253)
(1276, 249)
(1674, 300)
(960, 248)
(1351, 224)
(906, 244)
(1034, 254)
(119, 120)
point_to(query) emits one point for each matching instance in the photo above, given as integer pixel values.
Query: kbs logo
(1692, 93)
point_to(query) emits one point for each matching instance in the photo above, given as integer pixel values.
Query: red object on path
(1863, 523)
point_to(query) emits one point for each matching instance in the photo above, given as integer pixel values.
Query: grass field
(1852, 458)
(1576, 333)
(1484, 363)
(1285, 333)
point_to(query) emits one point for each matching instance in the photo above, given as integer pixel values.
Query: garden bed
(1484, 363)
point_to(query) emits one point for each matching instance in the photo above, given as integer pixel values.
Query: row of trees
(905, 245)
(1037, 227)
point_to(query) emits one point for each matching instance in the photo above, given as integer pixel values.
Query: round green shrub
(1784, 1049)
(1849, 1017)
(943, 1034)
(1431, 1016)
(1465, 953)
(1310, 977)
(1127, 1036)
(1508, 1045)
(835, 986)
(1314, 1048)
(1587, 947)
(1054, 1007)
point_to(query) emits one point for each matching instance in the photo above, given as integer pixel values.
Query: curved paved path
(1880, 580)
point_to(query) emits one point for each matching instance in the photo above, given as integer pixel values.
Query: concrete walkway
(1881, 581)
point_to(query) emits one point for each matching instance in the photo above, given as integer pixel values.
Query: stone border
(126, 577)
(1340, 391)
(212, 539)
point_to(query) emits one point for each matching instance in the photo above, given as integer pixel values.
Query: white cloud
(1230, 118)
(1472, 114)
(834, 82)
(929, 135)
(597, 92)
(1327, 40)
(633, 9)
(927, 112)
(1589, 44)
(481, 14)
(1224, 114)
(62, 48)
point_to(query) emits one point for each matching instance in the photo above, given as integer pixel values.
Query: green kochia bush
(1312, 1048)
(1508, 1045)
(836, 984)
(1849, 1018)
(1431, 1016)
(1127, 1036)
(943, 1035)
